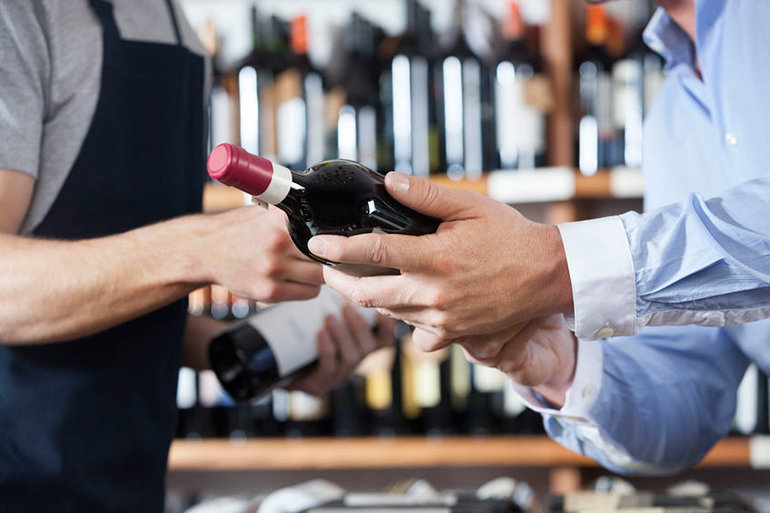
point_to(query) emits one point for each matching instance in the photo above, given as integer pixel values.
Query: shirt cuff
(603, 282)
(585, 388)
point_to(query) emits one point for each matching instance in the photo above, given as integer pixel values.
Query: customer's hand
(540, 353)
(342, 344)
(484, 271)
(249, 251)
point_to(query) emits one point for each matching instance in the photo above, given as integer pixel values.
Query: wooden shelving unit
(412, 452)
(514, 187)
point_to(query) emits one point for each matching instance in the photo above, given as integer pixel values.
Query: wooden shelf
(513, 187)
(412, 452)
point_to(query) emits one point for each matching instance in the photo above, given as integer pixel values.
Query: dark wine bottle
(334, 197)
(521, 126)
(359, 117)
(595, 130)
(410, 75)
(299, 92)
(273, 346)
(467, 111)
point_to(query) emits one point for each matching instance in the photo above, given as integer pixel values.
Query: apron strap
(174, 22)
(104, 10)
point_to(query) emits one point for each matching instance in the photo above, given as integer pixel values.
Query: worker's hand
(342, 344)
(249, 251)
(484, 271)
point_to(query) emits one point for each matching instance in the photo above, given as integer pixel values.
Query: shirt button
(588, 391)
(731, 139)
(605, 332)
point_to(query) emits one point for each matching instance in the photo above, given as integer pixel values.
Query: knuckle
(378, 251)
(271, 290)
(429, 345)
(431, 196)
(271, 266)
(275, 241)
(350, 359)
(361, 298)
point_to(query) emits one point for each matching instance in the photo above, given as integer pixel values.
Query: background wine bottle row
(395, 391)
(474, 98)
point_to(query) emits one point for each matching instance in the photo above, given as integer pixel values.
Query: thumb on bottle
(425, 197)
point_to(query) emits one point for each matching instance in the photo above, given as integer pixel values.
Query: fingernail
(398, 182)
(316, 246)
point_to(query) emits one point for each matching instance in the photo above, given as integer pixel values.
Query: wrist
(554, 390)
(177, 248)
(554, 283)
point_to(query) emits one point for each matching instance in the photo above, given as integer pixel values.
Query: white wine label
(427, 383)
(745, 420)
(488, 379)
(291, 328)
(759, 452)
(186, 393)
(291, 130)
(304, 407)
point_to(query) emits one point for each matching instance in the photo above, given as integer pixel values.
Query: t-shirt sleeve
(24, 75)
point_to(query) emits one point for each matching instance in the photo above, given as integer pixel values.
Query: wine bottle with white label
(273, 346)
(334, 197)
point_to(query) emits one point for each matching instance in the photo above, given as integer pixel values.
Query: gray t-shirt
(50, 72)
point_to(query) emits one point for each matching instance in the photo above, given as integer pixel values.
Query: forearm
(656, 404)
(199, 331)
(696, 262)
(54, 291)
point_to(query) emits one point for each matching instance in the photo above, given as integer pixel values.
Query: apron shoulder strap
(174, 22)
(104, 10)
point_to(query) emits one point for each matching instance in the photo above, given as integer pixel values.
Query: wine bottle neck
(279, 187)
(263, 179)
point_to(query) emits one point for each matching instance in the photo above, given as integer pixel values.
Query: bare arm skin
(54, 291)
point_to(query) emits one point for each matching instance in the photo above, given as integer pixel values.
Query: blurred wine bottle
(466, 111)
(299, 92)
(427, 390)
(410, 76)
(595, 131)
(349, 408)
(256, 86)
(309, 416)
(384, 418)
(487, 402)
(357, 117)
(520, 115)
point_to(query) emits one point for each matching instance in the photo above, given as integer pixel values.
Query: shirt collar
(667, 39)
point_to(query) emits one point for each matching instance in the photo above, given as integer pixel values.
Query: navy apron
(86, 425)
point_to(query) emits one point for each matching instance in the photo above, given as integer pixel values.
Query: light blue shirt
(666, 395)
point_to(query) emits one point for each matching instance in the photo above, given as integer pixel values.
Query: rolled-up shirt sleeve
(24, 73)
(701, 261)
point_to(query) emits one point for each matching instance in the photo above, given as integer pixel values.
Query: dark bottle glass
(334, 197)
(763, 408)
(255, 89)
(299, 98)
(520, 127)
(359, 118)
(595, 130)
(348, 405)
(273, 346)
(410, 76)
(466, 114)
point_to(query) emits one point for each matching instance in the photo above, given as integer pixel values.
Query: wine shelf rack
(409, 452)
(515, 187)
